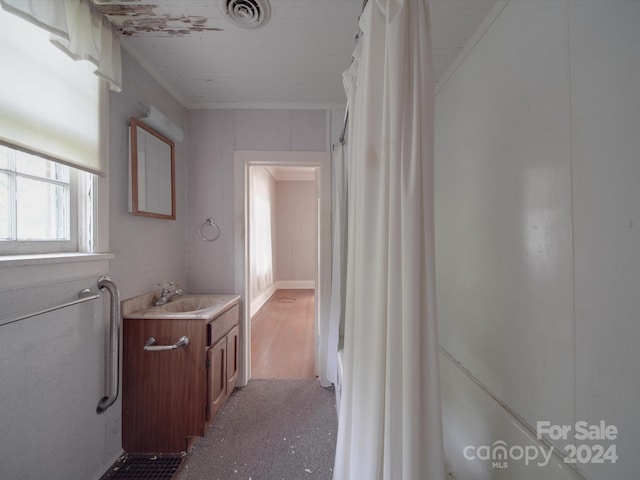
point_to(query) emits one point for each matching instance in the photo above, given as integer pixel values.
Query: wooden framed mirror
(152, 174)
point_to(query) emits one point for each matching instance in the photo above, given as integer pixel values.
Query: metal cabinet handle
(150, 344)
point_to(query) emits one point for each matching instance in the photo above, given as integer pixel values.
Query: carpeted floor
(269, 430)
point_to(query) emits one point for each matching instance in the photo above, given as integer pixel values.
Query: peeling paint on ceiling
(134, 19)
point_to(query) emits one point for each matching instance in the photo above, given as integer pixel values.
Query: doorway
(283, 253)
(321, 162)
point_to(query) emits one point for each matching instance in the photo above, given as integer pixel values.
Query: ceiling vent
(246, 13)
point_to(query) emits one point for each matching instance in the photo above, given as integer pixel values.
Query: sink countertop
(141, 307)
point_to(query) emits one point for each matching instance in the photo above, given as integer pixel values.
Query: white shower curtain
(390, 423)
(339, 261)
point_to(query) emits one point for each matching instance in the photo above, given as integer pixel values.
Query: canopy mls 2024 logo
(590, 443)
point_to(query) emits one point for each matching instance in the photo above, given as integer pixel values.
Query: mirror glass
(152, 172)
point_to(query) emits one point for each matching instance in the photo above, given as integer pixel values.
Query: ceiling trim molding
(473, 41)
(265, 106)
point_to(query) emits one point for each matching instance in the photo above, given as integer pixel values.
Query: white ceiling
(295, 61)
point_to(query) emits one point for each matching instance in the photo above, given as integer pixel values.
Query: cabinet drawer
(221, 325)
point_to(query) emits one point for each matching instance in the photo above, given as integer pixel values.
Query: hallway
(282, 336)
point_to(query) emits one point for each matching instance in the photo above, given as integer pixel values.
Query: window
(52, 115)
(38, 204)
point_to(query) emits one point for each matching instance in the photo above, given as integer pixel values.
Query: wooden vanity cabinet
(169, 398)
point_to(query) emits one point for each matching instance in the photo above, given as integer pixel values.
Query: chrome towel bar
(84, 296)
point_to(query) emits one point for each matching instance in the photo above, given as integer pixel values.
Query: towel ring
(210, 222)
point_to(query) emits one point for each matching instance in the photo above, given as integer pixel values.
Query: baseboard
(109, 464)
(260, 300)
(295, 284)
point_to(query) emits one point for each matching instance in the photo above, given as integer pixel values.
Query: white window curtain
(260, 235)
(51, 104)
(77, 28)
(390, 421)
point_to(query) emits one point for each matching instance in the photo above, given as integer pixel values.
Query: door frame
(243, 159)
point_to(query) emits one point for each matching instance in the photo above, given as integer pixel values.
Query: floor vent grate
(144, 468)
(286, 300)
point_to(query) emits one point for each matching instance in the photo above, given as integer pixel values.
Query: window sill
(50, 258)
(18, 271)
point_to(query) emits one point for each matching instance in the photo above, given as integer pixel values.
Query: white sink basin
(192, 303)
(204, 307)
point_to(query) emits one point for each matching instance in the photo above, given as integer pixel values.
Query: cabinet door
(233, 338)
(217, 365)
(163, 393)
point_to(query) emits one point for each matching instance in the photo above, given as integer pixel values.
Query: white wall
(296, 227)
(213, 137)
(605, 73)
(52, 366)
(536, 232)
(149, 251)
(51, 379)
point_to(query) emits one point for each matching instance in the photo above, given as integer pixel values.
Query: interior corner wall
(296, 227)
(537, 244)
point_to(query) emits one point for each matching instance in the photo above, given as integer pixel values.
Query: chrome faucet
(168, 292)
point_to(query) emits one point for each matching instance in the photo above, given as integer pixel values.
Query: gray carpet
(269, 430)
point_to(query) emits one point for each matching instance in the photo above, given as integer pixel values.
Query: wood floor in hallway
(282, 336)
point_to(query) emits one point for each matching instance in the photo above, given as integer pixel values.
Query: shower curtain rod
(346, 110)
(344, 125)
